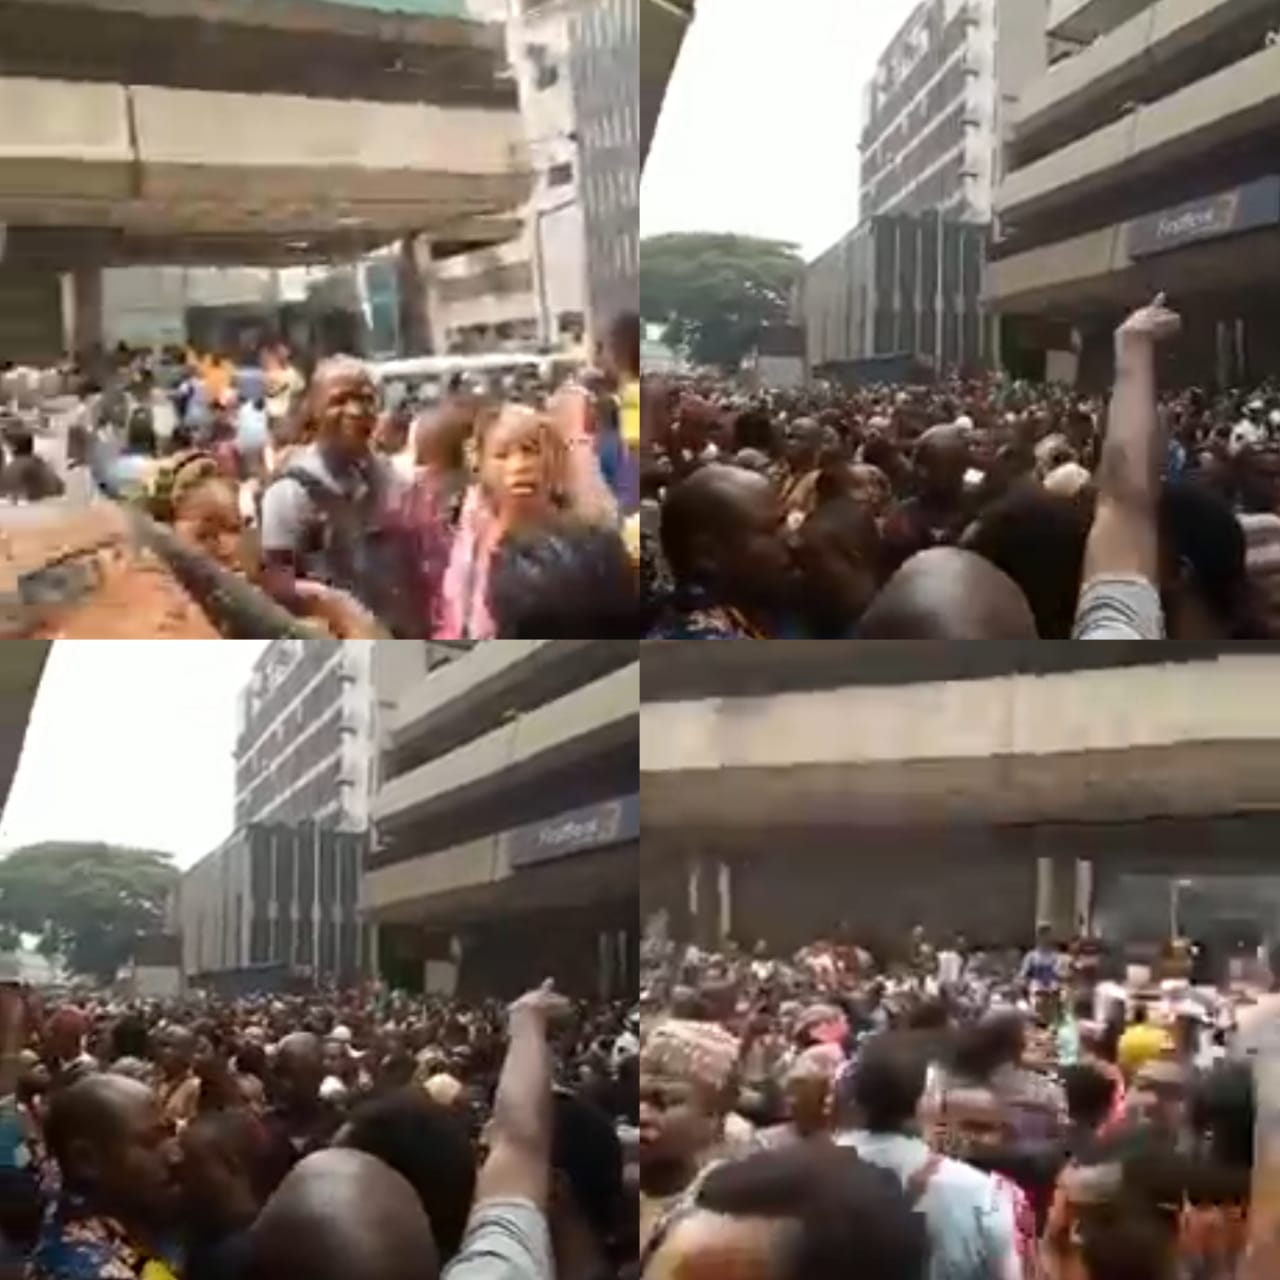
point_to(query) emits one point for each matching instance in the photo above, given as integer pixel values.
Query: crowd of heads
(960, 509)
(944, 1112)
(501, 507)
(320, 1137)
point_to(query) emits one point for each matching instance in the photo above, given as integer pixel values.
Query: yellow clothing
(1140, 1044)
(629, 415)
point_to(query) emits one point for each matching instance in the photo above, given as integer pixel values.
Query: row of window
(944, 137)
(322, 741)
(885, 108)
(892, 148)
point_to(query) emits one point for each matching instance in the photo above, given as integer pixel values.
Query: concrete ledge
(1160, 35)
(354, 19)
(1085, 19)
(1095, 270)
(1235, 102)
(245, 131)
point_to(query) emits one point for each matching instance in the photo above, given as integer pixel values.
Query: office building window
(560, 175)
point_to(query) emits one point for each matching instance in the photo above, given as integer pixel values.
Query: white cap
(341, 1034)
(964, 421)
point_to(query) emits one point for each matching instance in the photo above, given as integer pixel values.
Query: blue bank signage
(1228, 213)
(594, 827)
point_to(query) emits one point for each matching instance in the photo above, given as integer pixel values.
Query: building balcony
(1230, 106)
(1153, 54)
(1088, 19)
(591, 719)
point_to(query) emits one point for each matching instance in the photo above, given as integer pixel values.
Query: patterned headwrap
(702, 1053)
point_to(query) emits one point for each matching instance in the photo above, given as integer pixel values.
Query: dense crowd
(965, 509)
(491, 511)
(952, 1113)
(385, 1137)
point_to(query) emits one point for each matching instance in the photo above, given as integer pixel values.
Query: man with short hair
(115, 1215)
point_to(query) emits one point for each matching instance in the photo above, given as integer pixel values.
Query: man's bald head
(949, 594)
(721, 525)
(339, 1214)
(942, 457)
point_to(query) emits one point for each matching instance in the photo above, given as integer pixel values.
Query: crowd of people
(965, 509)
(951, 1113)
(491, 512)
(358, 1135)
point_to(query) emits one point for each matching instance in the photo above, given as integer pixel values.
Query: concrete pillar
(1056, 893)
(724, 894)
(86, 331)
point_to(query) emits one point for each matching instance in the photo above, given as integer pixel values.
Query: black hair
(1090, 1094)
(624, 341)
(1199, 529)
(753, 429)
(21, 441)
(130, 1038)
(585, 1148)
(140, 434)
(888, 1080)
(983, 1046)
(842, 1209)
(427, 1145)
(1038, 539)
(1223, 1105)
(564, 580)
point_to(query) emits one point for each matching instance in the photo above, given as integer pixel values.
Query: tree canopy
(713, 293)
(87, 902)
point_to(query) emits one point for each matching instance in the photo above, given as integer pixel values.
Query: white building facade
(935, 110)
(531, 289)
(306, 735)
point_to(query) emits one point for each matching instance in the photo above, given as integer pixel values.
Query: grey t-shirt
(288, 510)
(505, 1240)
(1119, 608)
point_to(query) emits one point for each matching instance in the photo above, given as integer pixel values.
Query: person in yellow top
(1142, 1042)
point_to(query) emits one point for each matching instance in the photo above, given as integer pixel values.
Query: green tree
(87, 902)
(715, 292)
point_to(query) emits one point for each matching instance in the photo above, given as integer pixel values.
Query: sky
(759, 132)
(130, 742)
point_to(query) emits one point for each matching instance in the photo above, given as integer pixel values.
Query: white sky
(131, 742)
(759, 132)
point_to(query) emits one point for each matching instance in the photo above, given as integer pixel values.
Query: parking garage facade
(1144, 161)
(507, 824)
(813, 791)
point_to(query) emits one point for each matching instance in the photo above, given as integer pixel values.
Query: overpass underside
(21, 667)
(662, 30)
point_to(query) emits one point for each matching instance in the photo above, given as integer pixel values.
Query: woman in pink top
(530, 464)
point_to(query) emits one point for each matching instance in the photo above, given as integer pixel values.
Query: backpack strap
(917, 1185)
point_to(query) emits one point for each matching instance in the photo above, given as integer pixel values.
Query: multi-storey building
(507, 820)
(1145, 161)
(274, 897)
(898, 288)
(604, 64)
(907, 281)
(530, 289)
(933, 112)
(981, 793)
(307, 745)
